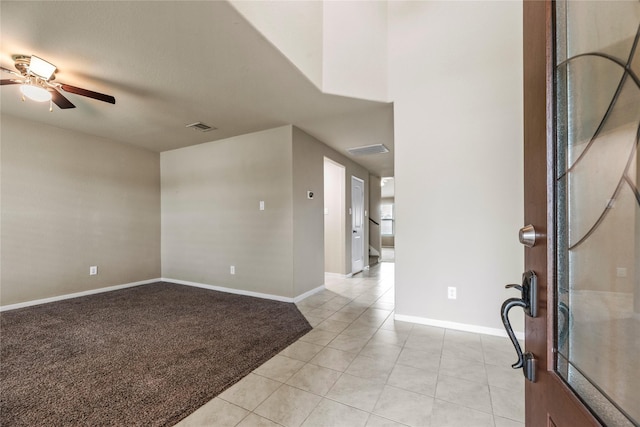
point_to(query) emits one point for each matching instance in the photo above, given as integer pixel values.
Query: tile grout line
(379, 291)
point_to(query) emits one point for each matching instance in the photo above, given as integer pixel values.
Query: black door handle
(506, 306)
(529, 303)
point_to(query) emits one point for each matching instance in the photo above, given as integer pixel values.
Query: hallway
(359, 367)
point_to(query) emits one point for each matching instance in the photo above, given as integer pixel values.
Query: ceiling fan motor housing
(22, 63)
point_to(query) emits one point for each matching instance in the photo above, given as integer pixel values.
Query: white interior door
(357, 221)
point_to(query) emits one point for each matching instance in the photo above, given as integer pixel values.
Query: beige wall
(351, 169)
(308, 218)
(334, 217)
(354, 43)
(70, 201)
(340, 46)
(278, 20)
(457, 92)
(211, 218)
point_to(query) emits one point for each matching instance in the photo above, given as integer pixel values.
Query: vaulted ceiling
(172, 63)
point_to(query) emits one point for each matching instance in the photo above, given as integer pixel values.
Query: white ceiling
(172, 63)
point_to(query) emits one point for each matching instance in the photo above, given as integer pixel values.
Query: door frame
(335, 240)
(355, 269)
(549, 401)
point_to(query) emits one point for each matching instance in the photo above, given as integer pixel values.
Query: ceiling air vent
(368, 149)
(201, 127)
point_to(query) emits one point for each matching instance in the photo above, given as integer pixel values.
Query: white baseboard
(456, 326)
(229, 290)
(309, 293)
(75, 295)
(146, 282)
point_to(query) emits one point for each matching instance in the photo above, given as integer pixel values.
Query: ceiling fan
(35, 75)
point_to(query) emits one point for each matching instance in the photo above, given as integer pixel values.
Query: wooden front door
(581, 129)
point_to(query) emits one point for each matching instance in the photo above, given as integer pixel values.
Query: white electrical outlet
(261, 205)
(93, 270)
(621, 272)
(452, 292)
(232, 269)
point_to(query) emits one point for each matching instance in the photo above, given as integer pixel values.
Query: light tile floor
(360, 367)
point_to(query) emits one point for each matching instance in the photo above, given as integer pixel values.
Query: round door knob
(527, 236)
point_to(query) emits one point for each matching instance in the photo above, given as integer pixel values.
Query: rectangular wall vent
(368, 149)
(201, 127)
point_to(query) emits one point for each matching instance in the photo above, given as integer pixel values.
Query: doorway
(334, 217)
(357, 225)
(387, 219)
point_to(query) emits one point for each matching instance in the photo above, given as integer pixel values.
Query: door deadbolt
(527, 236)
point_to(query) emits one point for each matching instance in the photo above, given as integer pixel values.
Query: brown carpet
(148, 355)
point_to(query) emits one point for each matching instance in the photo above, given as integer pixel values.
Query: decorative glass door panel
(598, 205)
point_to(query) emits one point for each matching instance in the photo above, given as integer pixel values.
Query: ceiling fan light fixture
(35, 93)
(41, 68)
